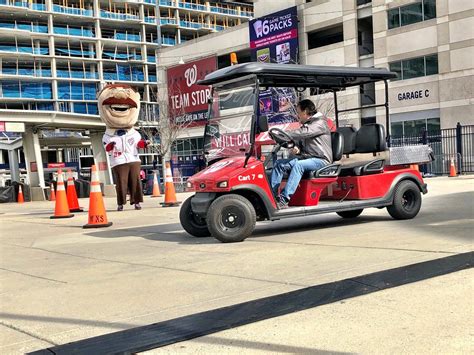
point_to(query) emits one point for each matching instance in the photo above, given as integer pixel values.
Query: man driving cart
(311, 150)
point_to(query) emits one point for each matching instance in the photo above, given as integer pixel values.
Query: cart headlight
(189, 185)
(222, 184)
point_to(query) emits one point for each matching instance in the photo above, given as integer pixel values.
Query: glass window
(429, 9)
(397, 68)
(397, 129)
(411, 14)
(416, 67)
(413, 68)
(431, 64)
(433, 124)
(415, 127)
(394, 18)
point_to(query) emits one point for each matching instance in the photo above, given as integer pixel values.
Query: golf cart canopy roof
(294, 75)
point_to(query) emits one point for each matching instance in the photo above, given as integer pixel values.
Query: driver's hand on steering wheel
(295, 150)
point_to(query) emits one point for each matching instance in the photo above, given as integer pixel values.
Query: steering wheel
(281, 137)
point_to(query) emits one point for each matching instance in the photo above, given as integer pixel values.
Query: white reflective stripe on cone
(95, 188)
(19, 189)
(60, 186)
(95, 176)
(60, 178)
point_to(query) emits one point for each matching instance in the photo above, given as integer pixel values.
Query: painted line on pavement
(200, 324)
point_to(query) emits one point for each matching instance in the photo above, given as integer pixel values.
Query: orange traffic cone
(170, 193)
(452, 169)
(156, 187)
(61, 209)
(52, 194)
(72, 200)
(97, 216)
(20, 198)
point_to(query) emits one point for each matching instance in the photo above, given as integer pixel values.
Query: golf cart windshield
(228, 129)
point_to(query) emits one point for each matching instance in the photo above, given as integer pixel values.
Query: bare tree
(161, 124)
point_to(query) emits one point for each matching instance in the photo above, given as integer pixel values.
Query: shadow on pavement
(435, 219)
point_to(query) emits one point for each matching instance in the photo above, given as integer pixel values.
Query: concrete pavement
(61, 283)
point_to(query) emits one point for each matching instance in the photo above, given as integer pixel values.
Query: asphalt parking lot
(60, 283)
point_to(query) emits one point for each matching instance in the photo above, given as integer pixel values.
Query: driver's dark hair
(308, 106)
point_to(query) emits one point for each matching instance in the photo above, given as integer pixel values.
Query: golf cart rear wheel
(231, 218)
(192, 223)
(406, 201)
(350, 214)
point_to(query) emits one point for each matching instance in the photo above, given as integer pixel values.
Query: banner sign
(274, 39)
(55, 165)
(187, 101)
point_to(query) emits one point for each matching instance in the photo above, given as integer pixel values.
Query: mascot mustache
(117, 101)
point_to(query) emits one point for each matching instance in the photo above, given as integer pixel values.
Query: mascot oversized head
(119, 106)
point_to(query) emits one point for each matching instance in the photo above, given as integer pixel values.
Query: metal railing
(447, 144)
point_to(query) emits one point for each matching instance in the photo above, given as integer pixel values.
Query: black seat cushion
(370, 139)
(349, 137)
(359, 168)
(337, 143)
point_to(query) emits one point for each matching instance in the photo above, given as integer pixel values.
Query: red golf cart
(233, 192)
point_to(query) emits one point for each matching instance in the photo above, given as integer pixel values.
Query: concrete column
(59, 155)
(14, 168)
(101, 160)
(33, 158)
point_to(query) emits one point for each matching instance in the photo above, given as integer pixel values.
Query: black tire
(350, 214)
(192, 223)
(406, 200)
(231, 218)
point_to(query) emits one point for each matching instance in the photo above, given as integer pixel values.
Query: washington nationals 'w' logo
(191, 75)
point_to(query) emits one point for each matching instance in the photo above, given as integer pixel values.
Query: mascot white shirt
(125, 149)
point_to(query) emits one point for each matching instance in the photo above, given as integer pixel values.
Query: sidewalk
(60, 283)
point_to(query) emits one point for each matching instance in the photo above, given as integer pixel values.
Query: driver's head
(305, 110)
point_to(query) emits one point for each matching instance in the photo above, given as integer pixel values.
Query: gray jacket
(313, 139)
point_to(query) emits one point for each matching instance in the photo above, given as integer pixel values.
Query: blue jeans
(297, 168)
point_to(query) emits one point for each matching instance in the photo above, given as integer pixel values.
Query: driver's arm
(311, 130)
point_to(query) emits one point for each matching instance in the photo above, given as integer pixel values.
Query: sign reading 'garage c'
(413, 95)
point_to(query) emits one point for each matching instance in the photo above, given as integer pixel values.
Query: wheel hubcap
(408, 200)
(231, 218)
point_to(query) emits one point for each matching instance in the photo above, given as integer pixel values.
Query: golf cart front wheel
(406, 201)
(192, 223)
(350, 214)
(231, 218)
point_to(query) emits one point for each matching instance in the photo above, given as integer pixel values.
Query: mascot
(119, 106)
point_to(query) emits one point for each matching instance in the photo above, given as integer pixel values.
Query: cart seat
(331, 170)
(368, 139)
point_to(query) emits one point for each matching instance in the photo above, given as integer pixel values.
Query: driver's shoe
(282, 202)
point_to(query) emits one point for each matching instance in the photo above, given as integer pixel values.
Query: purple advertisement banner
(274, 39)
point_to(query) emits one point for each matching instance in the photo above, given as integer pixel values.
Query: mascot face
(119, 105)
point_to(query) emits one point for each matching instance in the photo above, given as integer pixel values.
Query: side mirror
(263, 123)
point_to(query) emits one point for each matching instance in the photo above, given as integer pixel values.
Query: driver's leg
(297, 172)
(281, 166)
